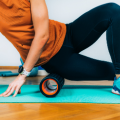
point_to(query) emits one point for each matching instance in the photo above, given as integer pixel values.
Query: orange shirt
(17, 26)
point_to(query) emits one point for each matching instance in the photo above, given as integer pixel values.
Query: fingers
(10, 92)
(17, 89)
(9, 88)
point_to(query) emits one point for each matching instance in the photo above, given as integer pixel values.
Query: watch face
(20, 69)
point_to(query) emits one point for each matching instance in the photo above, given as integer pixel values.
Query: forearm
(34, 52)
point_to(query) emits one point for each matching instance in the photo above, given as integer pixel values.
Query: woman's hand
(15, 85)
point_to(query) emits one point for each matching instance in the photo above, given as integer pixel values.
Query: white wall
(64, 11)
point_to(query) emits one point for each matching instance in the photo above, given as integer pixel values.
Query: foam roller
(49, 90)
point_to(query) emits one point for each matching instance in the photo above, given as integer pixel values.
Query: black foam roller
(50, 91)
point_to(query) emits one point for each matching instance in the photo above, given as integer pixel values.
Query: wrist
(28, 70)
(22, 75)
(23, 72)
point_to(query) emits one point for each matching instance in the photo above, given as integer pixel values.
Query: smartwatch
(22, 71)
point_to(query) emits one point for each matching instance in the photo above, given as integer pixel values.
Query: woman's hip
(59, 59)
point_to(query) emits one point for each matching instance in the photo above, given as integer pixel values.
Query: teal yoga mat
(68, 94)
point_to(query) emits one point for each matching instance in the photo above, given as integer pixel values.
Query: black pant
(82, 33)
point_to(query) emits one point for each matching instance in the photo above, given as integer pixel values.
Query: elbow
(47, 36)
(45, 39)
(42, 39)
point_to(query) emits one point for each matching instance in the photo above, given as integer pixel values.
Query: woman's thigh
(87, 28)
(75, 66)
(79, 67)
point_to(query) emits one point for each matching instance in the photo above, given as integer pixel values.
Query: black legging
(82, 33)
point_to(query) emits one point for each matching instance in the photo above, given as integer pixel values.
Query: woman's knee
(111, 8)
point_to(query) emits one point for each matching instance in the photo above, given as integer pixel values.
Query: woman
(56, 46)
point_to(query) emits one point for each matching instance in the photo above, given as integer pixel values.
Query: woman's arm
(41, 26)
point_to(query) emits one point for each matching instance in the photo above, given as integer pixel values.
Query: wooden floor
(58, 111)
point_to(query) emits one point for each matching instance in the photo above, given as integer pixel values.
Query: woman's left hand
(15, 85)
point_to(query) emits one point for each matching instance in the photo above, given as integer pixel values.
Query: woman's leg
(79, 67)
(86, 29)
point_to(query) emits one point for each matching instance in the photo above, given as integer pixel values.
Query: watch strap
(25, 72)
